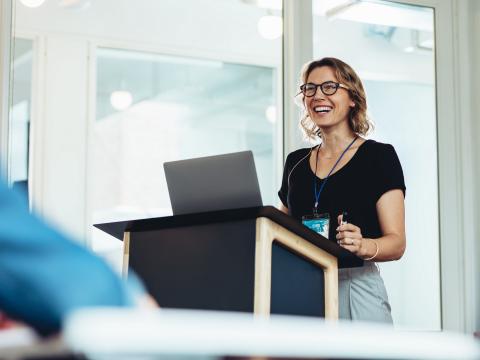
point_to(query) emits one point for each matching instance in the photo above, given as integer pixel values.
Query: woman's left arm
(391, 246)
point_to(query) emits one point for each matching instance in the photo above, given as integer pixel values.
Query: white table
(144, 334)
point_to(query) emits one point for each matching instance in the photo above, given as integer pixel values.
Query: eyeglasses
(328, 88)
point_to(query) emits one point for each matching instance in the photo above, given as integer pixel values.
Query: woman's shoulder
(374, 147)
(298, 154)
(377, 145)
(381, 153)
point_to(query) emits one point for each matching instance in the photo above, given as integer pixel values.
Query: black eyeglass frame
(337, 86)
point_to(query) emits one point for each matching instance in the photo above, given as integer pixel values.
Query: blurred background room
(102, 92)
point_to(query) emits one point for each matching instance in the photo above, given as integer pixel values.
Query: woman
(347, 174)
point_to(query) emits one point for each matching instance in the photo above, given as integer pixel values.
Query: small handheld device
(344, 218)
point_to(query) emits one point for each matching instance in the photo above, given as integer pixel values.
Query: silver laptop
(211, 183)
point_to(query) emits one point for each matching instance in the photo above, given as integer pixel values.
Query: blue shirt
(43, 275)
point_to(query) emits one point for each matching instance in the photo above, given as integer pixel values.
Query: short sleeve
(389, 172)
(283, 192)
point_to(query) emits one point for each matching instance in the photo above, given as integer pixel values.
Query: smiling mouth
(322, 109)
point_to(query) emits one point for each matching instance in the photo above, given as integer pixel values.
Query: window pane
(400, 87)
(218, 92)
(174, 108)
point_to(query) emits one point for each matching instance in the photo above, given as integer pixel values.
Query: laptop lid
(220, 182)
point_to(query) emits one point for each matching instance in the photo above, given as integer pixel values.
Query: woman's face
(327, 111)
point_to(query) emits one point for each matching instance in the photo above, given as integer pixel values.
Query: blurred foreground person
(44, 276)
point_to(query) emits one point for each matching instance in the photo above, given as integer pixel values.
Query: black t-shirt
(356, 187)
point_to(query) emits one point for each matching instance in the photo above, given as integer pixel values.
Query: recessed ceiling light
(270, 27)
(271, 114)
(121, 100)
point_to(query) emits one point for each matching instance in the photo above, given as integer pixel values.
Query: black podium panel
(208, 267)
(297, 284)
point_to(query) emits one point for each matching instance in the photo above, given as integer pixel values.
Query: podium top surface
(345, 257)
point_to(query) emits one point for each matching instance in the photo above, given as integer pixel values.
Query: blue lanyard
(317, 194)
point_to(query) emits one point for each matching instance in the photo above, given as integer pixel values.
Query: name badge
(320, 223)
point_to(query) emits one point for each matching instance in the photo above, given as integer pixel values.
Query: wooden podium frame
(271, 226)
(268, 232)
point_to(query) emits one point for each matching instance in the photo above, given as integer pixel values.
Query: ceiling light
(270, 27)
(271, 114)
(425, 40)
(32, 3)
(428, 44)
(121, 100)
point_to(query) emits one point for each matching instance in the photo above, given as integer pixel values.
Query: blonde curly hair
(358, 119)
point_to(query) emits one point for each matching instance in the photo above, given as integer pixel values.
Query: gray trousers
(362, 295)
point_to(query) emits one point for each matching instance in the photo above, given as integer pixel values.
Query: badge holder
(320, 223)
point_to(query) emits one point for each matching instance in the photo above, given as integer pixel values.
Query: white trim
(297, 50)
(37, 124)
(91, 118)
(450, 170)
(463, 85)
(280, 129)
(6, 9)
(164, 49)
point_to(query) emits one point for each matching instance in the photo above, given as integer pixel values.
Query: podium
(256, 260)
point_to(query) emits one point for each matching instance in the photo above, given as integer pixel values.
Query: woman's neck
(336, 142)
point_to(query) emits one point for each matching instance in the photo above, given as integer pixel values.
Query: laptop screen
(220, 182)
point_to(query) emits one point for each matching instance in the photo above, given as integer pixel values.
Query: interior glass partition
(154, 108)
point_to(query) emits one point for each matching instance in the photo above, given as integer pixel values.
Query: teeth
(322, 108)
